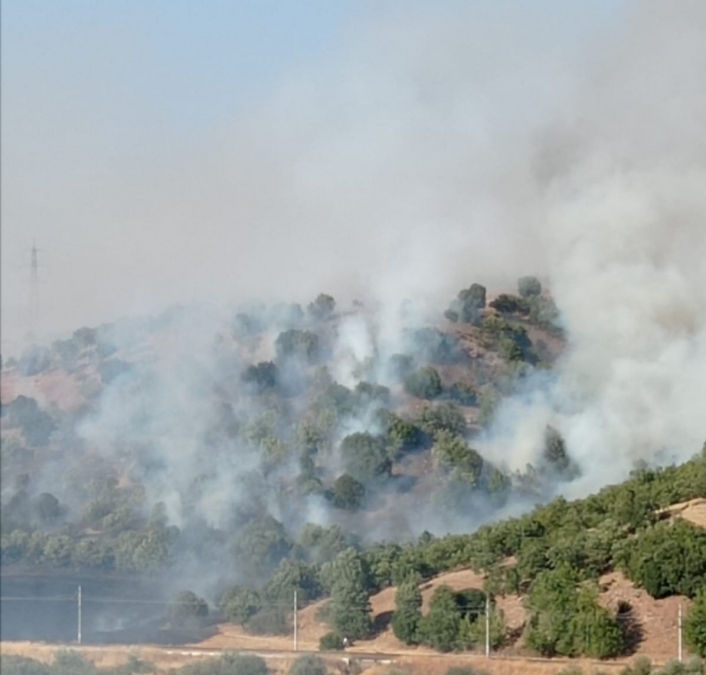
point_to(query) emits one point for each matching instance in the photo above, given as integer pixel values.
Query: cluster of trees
(530, 305)
(468, 306)
(290, 412)
(566, 618)
(24, 413)
(454, 621)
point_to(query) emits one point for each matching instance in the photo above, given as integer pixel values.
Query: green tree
(424, 383)
(240, 603)
(695, 624)
(470, 303)
(187, 607)
(566, 618)
(509, 304)
(440, 627)
(348, 493)
(291, 576)
(308, 665)
(408, 612)
(365, 457)
(444, 416)
(556, 455)
(350, 607)
(451, 453)
(331, 642)
(261, 544)
(463, 394)
(261, 377)
(667, 559)
(300, 344)
(323, 307)
(529, 286)
(48, 508)
(322, 544)
(401, 435)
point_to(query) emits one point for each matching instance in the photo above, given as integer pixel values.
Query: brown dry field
(165, 659)
(694, 511)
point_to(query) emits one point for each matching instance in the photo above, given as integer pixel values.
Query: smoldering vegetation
(219, 444)
(225, 446)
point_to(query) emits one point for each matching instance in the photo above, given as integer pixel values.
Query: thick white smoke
(625, 236)
(434, 152)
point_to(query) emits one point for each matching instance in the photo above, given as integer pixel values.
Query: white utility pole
(487, 626)
(295, 621)
(80, 618)
(681, 654)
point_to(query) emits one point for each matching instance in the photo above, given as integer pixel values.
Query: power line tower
(34, 293)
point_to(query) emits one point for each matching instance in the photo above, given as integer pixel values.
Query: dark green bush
(695, 624)
(270, 621)
(331, 642)
(348, 493)
(308, 665)
(424, 383)
(529, 286)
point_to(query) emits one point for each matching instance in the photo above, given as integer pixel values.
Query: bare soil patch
(656, 621)
(694, 511)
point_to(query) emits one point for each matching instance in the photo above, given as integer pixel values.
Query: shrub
(273, 621)
(291, 576)
(424, 383)
(641, 666)
(348, 493)
(261, 377)
(451, 315)
(668, 559)
(463, 393)
(245, 664)
(445, 416)
(451, 453)
(529, 286)
(432, 346)
(187, 608)
(228, 664)
(509, 304)
(331, 642)
(408, 612)
(695, 624)
(300, 344)
(20, 665)
(469, 303)
(323, 307)
(365, 457)
(440, 628)
(240, 603)
(308, 665)
(68, 662)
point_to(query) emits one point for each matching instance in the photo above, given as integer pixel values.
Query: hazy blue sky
(101, 100)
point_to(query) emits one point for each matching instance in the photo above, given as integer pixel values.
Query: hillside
(248, 455)
(318, 406)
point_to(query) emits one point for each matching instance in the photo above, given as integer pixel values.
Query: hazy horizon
(269, 150)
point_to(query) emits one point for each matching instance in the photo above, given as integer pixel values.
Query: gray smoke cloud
(625, 237)
(432, 152)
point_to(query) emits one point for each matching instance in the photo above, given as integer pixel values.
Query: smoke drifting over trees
(423, 173)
